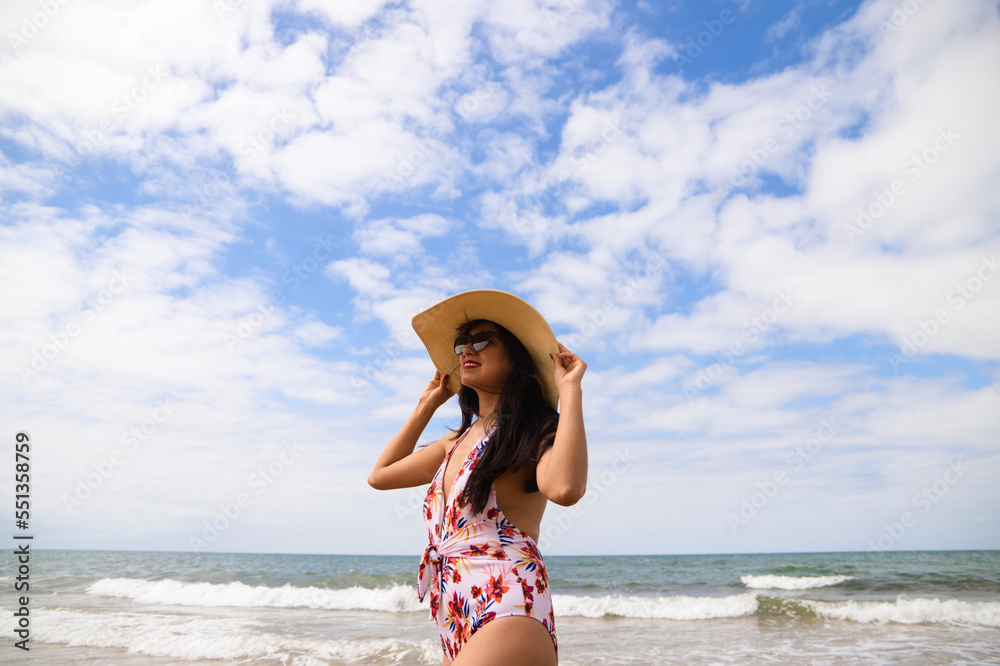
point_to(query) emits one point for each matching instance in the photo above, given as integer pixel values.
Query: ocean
(159, 608)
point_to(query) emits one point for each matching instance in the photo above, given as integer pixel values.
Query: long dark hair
(525, 423)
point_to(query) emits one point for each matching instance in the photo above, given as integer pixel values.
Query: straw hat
(436, 328)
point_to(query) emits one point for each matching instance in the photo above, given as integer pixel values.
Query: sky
(770, 229)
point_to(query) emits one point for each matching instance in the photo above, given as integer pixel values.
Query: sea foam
(239, 595)
(666, 608)
(771, 582)
(911, 611)
(199, 637)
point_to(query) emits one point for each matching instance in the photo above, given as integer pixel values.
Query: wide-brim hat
(436, 326)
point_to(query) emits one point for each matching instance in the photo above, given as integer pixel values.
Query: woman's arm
(399, 466)
(562, 469)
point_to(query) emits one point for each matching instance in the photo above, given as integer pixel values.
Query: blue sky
(769, 228)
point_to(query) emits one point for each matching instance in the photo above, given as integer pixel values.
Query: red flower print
(457, 609)
(497, 588)
(494, 557)
(451, 648)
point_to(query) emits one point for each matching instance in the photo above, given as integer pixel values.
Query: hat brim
(436, 328)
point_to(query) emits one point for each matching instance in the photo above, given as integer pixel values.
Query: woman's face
(487, 369)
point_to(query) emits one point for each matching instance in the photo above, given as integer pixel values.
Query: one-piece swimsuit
(478, 567)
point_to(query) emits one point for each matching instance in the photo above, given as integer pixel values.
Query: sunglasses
(479, 341)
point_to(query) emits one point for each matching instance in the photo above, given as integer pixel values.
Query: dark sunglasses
(479, 341)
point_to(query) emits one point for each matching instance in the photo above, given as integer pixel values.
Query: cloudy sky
(771, 229)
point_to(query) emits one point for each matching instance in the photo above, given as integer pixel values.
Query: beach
(113, 607)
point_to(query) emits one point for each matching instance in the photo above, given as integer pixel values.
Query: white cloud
(483, 104)
(351, 13)
(529, 28)
(393, 122)
(367, 277)
(792, 20)
(669, 148)
(399, 239)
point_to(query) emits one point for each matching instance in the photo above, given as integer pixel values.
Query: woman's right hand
(437, 392)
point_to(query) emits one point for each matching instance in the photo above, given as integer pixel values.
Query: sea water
(105, 607)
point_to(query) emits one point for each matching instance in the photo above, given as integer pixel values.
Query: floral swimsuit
(478, 567)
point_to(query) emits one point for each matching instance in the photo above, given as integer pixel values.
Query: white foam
(770, 582)
(911, 611)
(668, 608)
(199, 637)
(398, 598)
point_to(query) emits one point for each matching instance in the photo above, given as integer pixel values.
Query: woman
(490, 479)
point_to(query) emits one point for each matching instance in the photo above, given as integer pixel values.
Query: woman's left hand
(569, 368)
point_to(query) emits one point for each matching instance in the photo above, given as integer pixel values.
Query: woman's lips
(470, 364)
